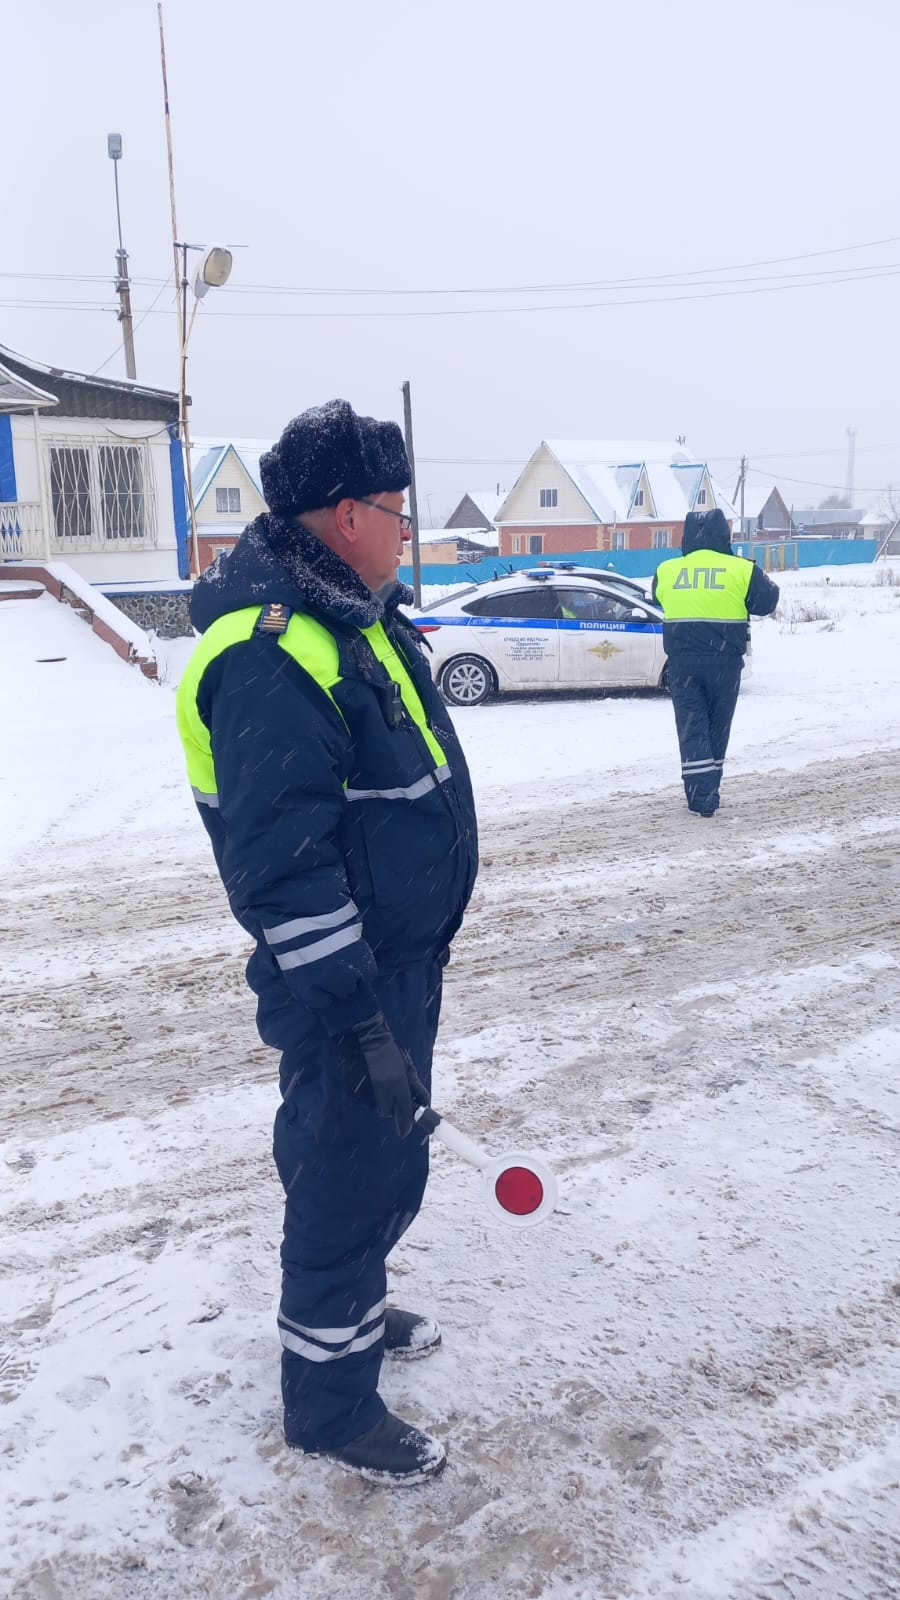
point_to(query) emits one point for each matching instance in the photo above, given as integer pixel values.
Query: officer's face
(381, 536)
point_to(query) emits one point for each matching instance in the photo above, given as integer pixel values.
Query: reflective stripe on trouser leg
(347, 1202)
(704, 695)
(690, 702)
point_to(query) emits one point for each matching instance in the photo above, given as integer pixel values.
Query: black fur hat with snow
(328, 454)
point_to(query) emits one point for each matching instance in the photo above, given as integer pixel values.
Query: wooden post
(46, 510)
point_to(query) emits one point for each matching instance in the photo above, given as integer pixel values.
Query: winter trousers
(705, 688)
(352, 1187)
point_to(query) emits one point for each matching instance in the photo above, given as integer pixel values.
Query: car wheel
(663, 684)
(466, 681)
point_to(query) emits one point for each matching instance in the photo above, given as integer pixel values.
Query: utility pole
(851, 457)
(413, 503)
(123, 284)
(739, 486)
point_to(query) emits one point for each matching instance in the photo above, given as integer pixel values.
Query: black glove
(396, 1087)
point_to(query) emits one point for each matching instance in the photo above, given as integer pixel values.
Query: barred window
(122, 491)
(101, 493)
(70, 491)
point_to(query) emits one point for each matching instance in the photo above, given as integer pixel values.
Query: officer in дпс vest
(334, 791)
(706, 595)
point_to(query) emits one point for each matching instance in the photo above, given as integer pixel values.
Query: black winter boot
(392, 1452)
(407, 1337)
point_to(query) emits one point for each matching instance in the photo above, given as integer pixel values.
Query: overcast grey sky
(485, 144)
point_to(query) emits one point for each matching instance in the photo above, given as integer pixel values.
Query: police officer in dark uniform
(707, 594)
(336, 796)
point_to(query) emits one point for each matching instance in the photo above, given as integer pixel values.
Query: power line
(634, 281)
(888, 271)
(138, 324)
(813, 483)
(616, 285)
(821, 274)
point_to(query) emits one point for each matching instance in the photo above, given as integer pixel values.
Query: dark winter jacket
(706, 631)
(336, 872)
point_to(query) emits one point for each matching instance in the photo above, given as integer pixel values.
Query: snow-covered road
(687, 1382)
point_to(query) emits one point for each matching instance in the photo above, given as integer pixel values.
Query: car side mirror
(638, 615)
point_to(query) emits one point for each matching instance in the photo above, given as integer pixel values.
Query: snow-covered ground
(686, 1382)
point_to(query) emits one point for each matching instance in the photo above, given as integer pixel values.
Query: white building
(91, 473)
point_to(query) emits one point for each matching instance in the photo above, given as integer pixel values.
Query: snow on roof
(884, 512)
(826, 516)
(82, 394)
(607, 473)
(755, 497)
(214, 451)
(17, 393)
(484, 537)
(487, 501)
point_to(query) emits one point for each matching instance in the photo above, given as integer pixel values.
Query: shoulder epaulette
(274, 619)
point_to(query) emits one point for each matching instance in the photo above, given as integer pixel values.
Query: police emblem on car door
(517, 631)
(601, 641)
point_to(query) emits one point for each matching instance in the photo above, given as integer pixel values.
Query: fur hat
(328, 454)
(706, 530)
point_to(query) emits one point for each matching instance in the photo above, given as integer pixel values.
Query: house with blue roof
(594, 494)
(227, 491)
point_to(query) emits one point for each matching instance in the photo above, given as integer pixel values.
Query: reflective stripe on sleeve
(411, 792)
(290, 930)
(202, 799)
(320, 949)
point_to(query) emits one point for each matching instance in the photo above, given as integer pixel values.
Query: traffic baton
(518, 1187)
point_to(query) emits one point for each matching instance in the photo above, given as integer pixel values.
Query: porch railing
(21, 531)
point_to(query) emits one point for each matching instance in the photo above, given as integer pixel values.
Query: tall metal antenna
(179, 253)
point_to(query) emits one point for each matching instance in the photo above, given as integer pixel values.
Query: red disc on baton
(519, 1191)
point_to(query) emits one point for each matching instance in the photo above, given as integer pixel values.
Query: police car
(557, 626)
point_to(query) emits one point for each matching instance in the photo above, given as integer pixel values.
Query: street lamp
(123, 286)
(213, 270)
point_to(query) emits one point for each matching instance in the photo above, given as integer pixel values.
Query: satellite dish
(213, 271)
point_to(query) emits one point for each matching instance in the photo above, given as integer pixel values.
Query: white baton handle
(459, 1143)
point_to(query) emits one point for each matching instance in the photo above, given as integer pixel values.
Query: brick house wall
(563, 541)
(640, 535)
(556, 539)
(209, 545)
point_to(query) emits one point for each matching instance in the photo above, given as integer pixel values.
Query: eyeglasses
(404, 520)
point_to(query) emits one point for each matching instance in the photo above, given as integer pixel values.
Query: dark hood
(317, 580)
(706, 530)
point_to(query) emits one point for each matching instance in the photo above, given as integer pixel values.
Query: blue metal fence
(773, 555)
